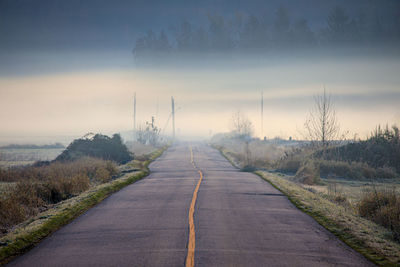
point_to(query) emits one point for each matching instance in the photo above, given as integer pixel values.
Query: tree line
(251, 33)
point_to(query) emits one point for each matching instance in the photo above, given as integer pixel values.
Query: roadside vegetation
(85, 163)
(35, 188)
(336, 206)
(351, 187)
(36, 200)
(98, 146)
(364, 213)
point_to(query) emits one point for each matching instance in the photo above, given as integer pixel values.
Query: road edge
(340, 232)
(27, 241)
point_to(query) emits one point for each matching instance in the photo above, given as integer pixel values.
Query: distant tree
(184, 36)
(162, 43)
(322, 125)
(282, 21)
(145, 46)
(237, 24)
(376, 30)
(219, 33)
(253, 36)
(281, 26)
(200, 40)
(241, 126)
(340, 28)
(302, 34)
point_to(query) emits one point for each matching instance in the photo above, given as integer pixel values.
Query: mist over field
(76, 68)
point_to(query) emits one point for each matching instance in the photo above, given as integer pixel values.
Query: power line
(173, 116)
(134, 117)
(262, 114)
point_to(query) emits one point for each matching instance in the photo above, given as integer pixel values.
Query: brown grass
(38, 187)
(308, 174)
(29, 233)
(383, 207)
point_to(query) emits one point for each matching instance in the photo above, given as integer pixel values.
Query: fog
(71, 103)
(213, 61)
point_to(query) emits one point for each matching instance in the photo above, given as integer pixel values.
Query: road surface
(238, 220)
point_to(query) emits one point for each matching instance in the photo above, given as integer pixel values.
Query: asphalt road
(239, 220)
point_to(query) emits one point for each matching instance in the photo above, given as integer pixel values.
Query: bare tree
(322, 125)
(241, 126)
(148, 133)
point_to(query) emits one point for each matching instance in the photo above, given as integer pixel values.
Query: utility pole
(134, 117)
(173, 116)
(262, 115)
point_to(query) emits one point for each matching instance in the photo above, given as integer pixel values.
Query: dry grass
(28, 233)
(59, 170)
(261, 154)
(370, 239)
(37, 187)
(383, 207)
(308, 174)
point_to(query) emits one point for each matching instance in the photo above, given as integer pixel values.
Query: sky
(66, 68)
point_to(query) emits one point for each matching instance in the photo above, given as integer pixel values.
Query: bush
(290, 165)
(354, 170)
(308, 174)
(381, 150)
(248, 168)
(383, 207)
(99, 146)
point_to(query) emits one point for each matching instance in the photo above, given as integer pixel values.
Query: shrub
(99, 146)
(248, 168)
(381, 150)
(334, 168)
(386, 173)
(383, 207)
(11, 212)
(308, 174)
(290, 165)
(354, 170)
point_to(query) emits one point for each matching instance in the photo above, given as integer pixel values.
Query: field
(20, 157)
(352, 190)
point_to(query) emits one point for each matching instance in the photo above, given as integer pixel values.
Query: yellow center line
(192, 233)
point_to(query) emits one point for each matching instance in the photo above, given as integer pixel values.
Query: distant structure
(262, 114)
(134, 117)
(173, 116)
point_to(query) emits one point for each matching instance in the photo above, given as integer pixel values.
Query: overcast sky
(66, 68)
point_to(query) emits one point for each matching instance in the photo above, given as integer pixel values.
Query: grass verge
(33, 231)
(371, 240)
